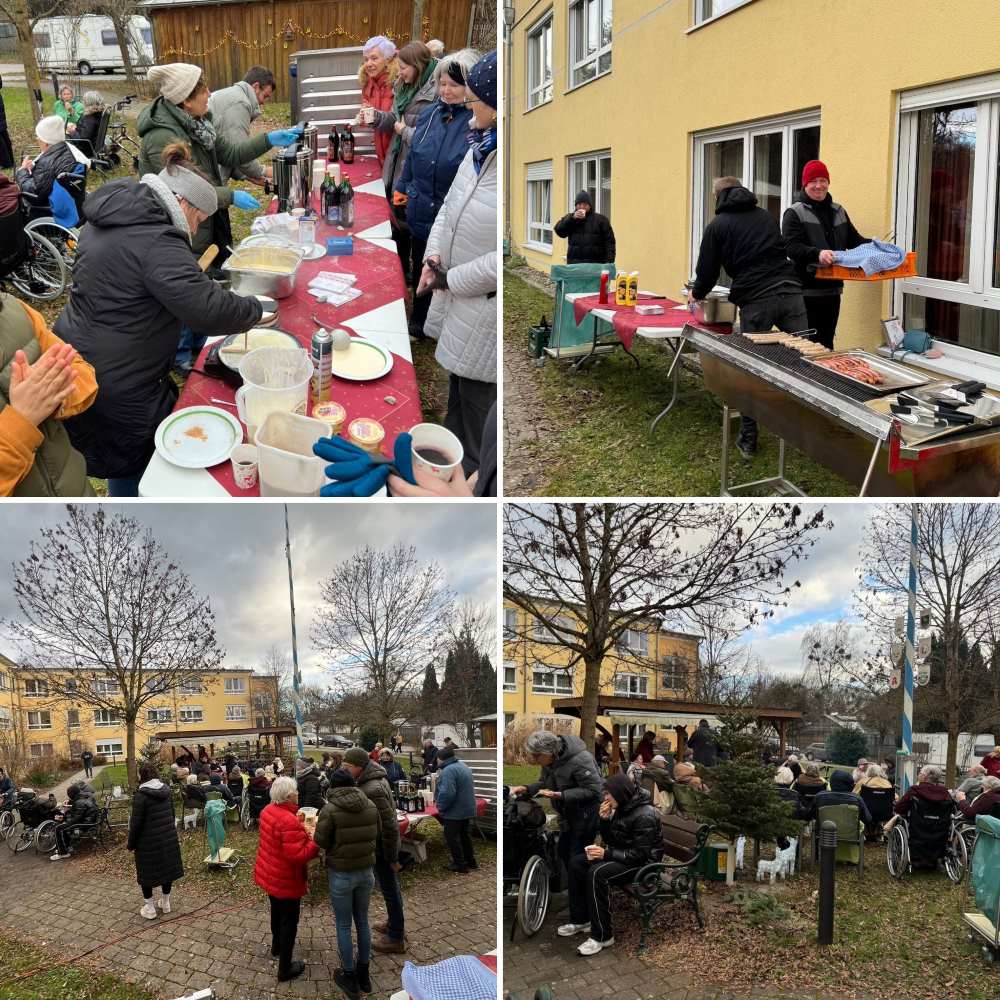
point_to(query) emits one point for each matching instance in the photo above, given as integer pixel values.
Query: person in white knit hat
(180, 113)
(35, 177)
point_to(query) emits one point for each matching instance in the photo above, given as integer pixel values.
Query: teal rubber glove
(245, 201)
(284, 136)
(357, 472)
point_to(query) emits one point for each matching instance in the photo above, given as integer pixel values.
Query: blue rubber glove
(284, 136)
(245, 201)
(356, 471)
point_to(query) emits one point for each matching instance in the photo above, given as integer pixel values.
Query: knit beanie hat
(341, 778)
(302, 765)
(814, 169)
(193, 189)
(175, 81)
(446, 753)
(620, 787)
(51, 130)
(383, 44)
(482, 79)
(357, 757)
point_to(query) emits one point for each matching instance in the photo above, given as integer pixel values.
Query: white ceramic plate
(198, 437)
(385, 354)
(264, 335)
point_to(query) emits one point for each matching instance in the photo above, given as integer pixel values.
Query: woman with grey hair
(284, 851)
(987, 803)
(972, 784)
(571, 782)
(90, 123)
(438, 144)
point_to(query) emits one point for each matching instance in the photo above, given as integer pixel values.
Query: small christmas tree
(846, 746)
(743, 797)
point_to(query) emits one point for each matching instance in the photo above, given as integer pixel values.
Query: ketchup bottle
(603, 296)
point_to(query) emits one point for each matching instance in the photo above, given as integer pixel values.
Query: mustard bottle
(632, 291)
(621, 289)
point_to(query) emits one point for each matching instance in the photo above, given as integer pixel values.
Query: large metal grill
(791, 361)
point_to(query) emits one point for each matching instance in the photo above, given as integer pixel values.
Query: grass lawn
(594, 426)
(59, 983)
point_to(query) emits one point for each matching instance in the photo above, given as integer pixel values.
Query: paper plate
(198, 437)
(314, 252)
(265, 337)
(356, 342)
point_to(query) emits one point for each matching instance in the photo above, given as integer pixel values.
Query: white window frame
(235, 685)
(105, 685)
(3, 682)
(557, 674)
(595, 56)
(510, 623)
(641, 685)
(786, 124)
(701, 18)
(979, 290)
(537, 173)
(107, 717)
(108, 748)
(626, 646)
(41, 688)
(191, 713)
(38, 750)
(236, 713)
(674, 667)
(69, 718)
(510, 665)
(571, 190)
(535, 48)
(190, 686)
(44, 719)
(159, 715)
(6, 720)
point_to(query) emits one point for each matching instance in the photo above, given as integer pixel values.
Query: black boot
(348, 982)
(364, 979)
(295, 969)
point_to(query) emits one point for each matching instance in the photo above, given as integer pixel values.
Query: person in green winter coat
(347, 830)
(68, 108)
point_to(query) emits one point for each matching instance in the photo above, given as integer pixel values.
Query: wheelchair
(35, 826)
(7, 816)
(64, 237)
(531, 865)
(252, 805)
(930, 836)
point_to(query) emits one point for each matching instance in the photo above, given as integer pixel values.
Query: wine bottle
(347, 145)
(346, 203)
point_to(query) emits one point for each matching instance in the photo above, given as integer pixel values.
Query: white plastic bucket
(287, 466)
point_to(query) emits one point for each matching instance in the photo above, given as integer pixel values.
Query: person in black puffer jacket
(36, 177)
(135, 282)
(746, 240)
(591, 238)
(813, 227)
(632, 838)
(152, 835)
(82, 811)
(310, 787)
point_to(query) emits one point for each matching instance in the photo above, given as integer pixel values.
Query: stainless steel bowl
(718, 310)
(248, 276)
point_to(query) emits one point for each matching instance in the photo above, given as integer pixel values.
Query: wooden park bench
(675, 878)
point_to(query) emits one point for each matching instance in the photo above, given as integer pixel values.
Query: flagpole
(296, 676)
(909, 655)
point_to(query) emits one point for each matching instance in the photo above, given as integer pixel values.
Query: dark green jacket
(375, 785)
(59, 469)
(162, 123)
(347, 829)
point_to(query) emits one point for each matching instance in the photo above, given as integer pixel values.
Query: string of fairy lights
(287, 33)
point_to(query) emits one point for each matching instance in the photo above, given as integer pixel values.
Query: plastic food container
(286, 463)
(333, 413)
(340, 246)
(367, 434)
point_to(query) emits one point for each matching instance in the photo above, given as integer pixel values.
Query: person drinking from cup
(68, 108)
(377, 76)
(591, 238)
(631, 837)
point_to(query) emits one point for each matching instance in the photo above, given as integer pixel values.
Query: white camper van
(89, 43)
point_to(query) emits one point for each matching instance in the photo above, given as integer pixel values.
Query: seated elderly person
(35, 177)
(631, 837)
(68, 108)
(876, 792)
(987, 803)
(216, 784)
(793, 765)
(89, 125)
(82, 811)
(972, 784)
(195, 795)
(928, 806)
(841, 793)
(808, 784)
(859, 772)
(685, 774)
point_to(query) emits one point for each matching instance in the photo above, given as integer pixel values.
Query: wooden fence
(226, 39)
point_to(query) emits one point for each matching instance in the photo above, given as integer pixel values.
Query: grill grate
(791, 361)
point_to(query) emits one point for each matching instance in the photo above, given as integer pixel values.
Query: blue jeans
(189, 348)
(124, 486)
(350, 893)
(388, 883)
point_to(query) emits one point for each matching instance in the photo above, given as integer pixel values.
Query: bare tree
(725, 664)
(24, 15)
(385, 616)
(830, 657)
(275, 700)
(585, 573)
(958, 579)
(100, 599)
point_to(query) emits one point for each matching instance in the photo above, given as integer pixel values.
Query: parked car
(815, 751)
(337, 741)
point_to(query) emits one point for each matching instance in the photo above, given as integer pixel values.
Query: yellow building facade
(649, 663)
(45, 724)
(645, 103)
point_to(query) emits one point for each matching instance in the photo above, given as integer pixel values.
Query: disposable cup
(440, 439)
(244, 459)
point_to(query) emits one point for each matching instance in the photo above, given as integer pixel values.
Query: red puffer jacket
(283, 852)
(377, 93)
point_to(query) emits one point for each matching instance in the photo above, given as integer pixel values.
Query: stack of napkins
(268, 223)
(334, 287)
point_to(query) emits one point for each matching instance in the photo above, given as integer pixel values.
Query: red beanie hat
(814, 169)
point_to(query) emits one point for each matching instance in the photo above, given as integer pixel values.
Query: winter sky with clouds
(235, 553)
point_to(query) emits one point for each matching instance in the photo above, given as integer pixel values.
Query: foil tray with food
(263, 270)
(867, 369)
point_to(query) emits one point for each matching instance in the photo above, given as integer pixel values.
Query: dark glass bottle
(332, 146)
(346, 203)
(347, 145)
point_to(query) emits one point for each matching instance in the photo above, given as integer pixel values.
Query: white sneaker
(592, 947)
(568, 930)
(164, 904)
(148, 911)
(58, 857)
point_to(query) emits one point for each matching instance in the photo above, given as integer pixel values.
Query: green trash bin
(570, 278)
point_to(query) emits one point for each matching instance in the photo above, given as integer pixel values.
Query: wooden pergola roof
(607, 704)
